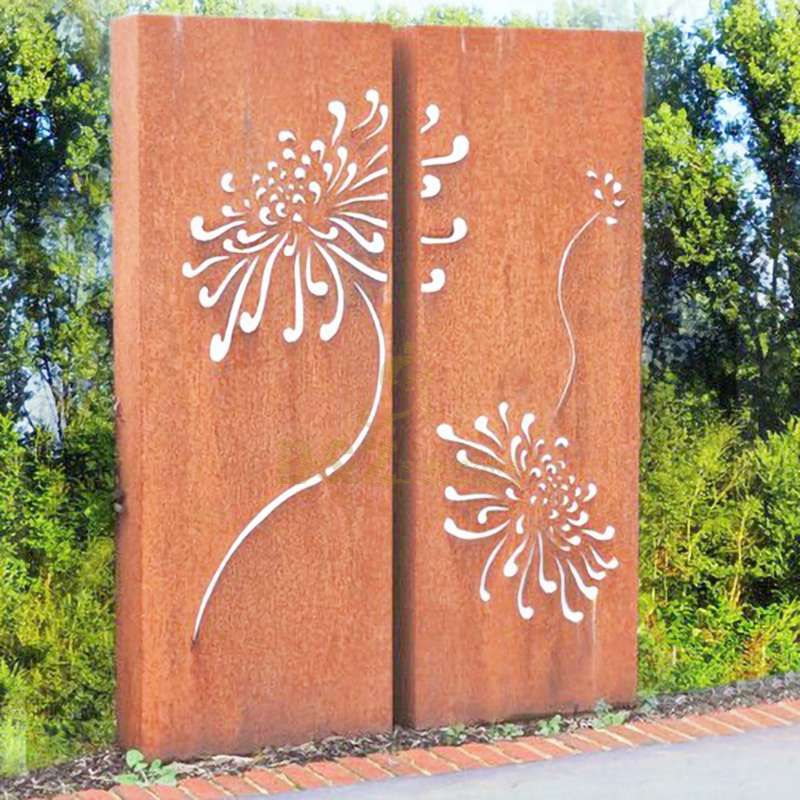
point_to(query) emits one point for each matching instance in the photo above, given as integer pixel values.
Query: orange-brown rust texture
(541, 109)
(296, 642)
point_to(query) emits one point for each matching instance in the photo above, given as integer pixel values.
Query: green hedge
(719, 546)
(56, 601)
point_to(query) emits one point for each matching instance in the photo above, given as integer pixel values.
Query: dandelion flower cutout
(318, 210)
(607, 193)
(531, 510)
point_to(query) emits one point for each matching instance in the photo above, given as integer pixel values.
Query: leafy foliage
(454, 734)
(720, 543)
(505, 730)
(551, 726)
(606, 717)
(693, 303)
(141, 773)
(56, 430)
(56, 611)
(722, 268)
(54, 187)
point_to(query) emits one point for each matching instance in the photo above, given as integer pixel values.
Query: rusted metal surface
(541, 109)
(256, 441)
(295, 642)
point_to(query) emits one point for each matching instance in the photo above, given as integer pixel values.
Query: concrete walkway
(759, 764)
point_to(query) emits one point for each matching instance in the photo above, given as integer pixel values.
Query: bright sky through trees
(690, 10)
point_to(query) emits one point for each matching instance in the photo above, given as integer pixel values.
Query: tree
(54, 188)
(722, 149)
(759, 67)
(693, 267)
(57, 457)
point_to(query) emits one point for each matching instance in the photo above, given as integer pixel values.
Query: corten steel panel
(296, 639)
(540, 111)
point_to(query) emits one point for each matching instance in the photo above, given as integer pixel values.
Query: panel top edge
(506, 31)
(131, 19)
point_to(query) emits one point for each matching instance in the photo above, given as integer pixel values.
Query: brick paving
(292, 778)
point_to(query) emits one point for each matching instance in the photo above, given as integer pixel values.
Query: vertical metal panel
(261, 411)
(518, 313)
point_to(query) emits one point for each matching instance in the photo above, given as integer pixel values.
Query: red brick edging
(444, 759)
